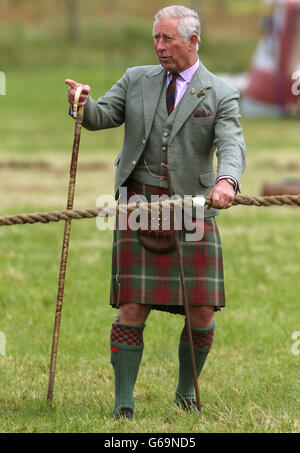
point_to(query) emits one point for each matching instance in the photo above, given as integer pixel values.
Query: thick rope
(266, 201)
(75, 214)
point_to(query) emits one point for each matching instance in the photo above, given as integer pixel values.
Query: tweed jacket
(206, 124)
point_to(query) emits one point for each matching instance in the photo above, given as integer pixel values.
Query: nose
(160, 44)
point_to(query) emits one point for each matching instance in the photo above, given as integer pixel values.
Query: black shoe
(124, 412)
(187, 404)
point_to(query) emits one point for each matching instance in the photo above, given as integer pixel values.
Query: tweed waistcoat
(148, 169)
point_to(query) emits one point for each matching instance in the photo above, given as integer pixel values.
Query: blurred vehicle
(273, 84)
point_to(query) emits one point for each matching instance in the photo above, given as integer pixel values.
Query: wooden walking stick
(185, 300)
(78, 115)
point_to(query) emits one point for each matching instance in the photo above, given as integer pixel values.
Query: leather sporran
(154, 234)
(156, 237)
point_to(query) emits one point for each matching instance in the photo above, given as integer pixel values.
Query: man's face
(173, 52)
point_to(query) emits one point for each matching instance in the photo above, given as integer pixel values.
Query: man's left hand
(222, 195)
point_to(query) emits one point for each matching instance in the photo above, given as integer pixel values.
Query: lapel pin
(202, 92)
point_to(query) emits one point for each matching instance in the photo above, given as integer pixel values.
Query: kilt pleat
(145, 277)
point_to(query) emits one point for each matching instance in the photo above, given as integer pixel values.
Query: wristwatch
(231, 181)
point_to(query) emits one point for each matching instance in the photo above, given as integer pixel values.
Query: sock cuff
(206, 329)
(202, 338)
(126, 336)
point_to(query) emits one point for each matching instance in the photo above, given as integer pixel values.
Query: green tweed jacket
(207, 120)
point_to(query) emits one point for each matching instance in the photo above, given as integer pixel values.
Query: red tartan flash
(114, 349)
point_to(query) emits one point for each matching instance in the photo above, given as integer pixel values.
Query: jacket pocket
(205, 121)
(207, 178)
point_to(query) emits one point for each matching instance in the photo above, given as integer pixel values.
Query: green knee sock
(126, 354)
(202, 340)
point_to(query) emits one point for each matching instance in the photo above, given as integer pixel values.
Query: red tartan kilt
(145, 277)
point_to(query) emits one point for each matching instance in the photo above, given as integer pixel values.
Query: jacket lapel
(152, 86)
(195, 94)
(154, 82)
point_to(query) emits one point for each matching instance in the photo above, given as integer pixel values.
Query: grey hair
(188, 24)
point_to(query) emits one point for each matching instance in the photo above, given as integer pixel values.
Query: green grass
(251, 382)
(114, 34)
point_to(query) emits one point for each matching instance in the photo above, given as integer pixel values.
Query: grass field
(251, 381)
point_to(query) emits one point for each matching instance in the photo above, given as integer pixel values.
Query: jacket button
(143, 141)
(165, 134)
(164, 148)
(133, 163)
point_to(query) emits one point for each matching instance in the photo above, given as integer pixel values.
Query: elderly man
(176, 113)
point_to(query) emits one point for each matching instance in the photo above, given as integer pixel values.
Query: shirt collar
(187, 74)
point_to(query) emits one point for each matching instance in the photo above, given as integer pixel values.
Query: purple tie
(170, 96)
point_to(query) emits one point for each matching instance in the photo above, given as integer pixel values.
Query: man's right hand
(71, 92)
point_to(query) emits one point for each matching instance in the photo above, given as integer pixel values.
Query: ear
(193, 40)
